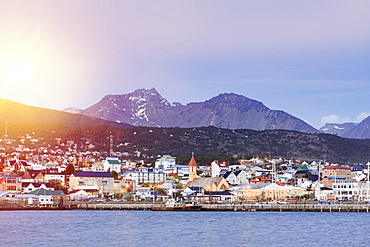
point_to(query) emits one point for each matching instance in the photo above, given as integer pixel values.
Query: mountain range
(231, 111)
(228, 110)
(148, 108)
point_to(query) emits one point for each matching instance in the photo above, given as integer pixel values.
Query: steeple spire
(192, 167)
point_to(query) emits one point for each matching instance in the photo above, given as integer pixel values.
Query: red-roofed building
(338, 171)
(192, 169)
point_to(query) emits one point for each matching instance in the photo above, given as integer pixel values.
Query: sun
(18, 71)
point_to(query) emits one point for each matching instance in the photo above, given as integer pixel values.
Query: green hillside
(206, 142)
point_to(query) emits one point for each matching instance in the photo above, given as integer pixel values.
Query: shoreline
(205, 207)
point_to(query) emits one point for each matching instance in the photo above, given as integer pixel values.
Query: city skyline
(305, 58)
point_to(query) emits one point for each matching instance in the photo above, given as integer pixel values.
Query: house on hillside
(33, 176)
(18, 165)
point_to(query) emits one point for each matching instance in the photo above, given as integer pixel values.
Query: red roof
(336, 167)
(192, 162)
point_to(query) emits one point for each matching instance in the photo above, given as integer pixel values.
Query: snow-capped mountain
(73, 110)
(148, 108)
(360, 131)
(337, 129)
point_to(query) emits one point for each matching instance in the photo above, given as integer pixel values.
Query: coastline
(205, 207)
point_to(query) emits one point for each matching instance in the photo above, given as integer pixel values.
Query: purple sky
(308, 58)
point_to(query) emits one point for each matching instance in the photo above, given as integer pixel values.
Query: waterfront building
(268, 191)
(346, 189)
(210, 184)
(101, 181)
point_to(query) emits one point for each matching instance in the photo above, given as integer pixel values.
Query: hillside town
(50, 175)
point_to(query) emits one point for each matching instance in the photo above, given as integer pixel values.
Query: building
(33, 176)
(53, 175)
(112, 164)
(29, 186)
(166, 163)
(10, 182)
(302, 175)
(210, 184)
(218, 169)
(338, 171)
(101, 181)
(192, 167)
(268, 191)
(147, 175)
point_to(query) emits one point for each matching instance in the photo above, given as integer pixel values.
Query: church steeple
(192, 167)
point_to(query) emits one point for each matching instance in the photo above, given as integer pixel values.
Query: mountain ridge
(227, 110)
(14, 112)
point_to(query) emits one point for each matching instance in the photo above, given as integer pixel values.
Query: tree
(115, 175)
(70, 169)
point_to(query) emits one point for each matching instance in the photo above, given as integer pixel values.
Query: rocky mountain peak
(146, 107)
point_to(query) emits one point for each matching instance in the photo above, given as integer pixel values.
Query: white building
(165, 162)
(346, 189)
(146, 175)
(218, 169)
(112, 164)
(101, 181)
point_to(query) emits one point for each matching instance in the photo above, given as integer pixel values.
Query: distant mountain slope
(337, 129)
(360, 131)
(148, 108)
(18, 113)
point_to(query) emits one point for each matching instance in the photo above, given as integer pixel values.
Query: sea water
(149, 228)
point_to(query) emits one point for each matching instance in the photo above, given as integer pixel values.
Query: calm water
(147, 228)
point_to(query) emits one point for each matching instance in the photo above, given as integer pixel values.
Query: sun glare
(18, 71)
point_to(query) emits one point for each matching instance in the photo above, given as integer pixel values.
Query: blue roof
(148, 172)
(182, 166)
(94, 174)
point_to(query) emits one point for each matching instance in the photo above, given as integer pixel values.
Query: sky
(307, 58)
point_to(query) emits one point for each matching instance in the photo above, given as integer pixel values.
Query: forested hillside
(150, 142)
